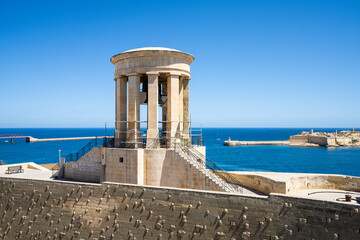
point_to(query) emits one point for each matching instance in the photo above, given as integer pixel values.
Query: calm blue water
(248, 158)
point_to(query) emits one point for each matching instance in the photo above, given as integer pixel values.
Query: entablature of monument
(160, 70)
(161, 54)
(152, 72)
(145, 60)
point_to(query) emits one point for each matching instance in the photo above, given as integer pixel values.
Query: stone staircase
(216, 174)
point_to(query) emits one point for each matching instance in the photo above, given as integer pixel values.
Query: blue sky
(257, 63)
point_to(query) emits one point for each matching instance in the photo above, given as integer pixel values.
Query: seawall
(70, 210)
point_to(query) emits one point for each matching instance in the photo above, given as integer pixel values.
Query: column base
(152, 138)
(186, 141)
(133, 139)
(117, 134)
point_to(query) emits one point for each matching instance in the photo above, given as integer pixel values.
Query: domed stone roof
(152, 49)
(152, 59)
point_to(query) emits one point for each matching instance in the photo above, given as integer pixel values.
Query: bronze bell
(160, 95)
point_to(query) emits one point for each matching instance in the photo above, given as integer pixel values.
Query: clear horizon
(258, 64)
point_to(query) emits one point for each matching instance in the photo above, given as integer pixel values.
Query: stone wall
(299, 138)
(154, 167)
(35, 209)
(87, 168)
(323, 181)
(321, 140)
(262, 183)
(286, 183)
(124, 165)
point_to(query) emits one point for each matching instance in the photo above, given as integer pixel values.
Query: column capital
(118, 77)
(153, 73)
(132, 74)
(174, 74)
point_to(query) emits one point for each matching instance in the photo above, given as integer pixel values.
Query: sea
(235, 158)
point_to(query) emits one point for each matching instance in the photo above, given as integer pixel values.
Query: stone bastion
(48, 209)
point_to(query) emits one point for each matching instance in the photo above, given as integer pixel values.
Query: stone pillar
(134, 134)
(186, 136)
(152, 109)
(117, 107)
(172, 124)
(164, 113)
(121, 110)
(181, 106)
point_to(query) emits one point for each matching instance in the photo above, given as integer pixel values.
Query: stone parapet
(69, 210)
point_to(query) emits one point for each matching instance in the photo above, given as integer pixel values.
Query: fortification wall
(35, 209)
(299, 138)
(321, 140)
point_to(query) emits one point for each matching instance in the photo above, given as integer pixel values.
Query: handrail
(211, 164)
(233, 183)
(145, 142)
(219, 175)
(96, 142)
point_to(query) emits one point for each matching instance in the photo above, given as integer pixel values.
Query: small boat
(217, 137)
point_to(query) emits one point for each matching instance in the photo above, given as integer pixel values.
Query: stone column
(120, 109)
(123, 108)
(181, 106)
(186, 136)
(172, 107)
(117, 107)
(152, 109)
(134, 133)
(164, 113)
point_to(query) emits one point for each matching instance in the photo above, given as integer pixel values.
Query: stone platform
(290, 183)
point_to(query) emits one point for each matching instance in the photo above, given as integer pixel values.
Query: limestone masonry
(33, 209)
(337, 139)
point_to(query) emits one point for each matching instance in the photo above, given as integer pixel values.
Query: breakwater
(31, 139)
(244, 143)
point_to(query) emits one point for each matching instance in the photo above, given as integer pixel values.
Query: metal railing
(204, 164)
(219, 175)
(145, 142)
(97, 142)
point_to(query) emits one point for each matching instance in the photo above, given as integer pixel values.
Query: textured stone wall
(261, 183)
(35, 209)
(299, 138)
(154, 167)
(295, 182)
(165, 167)
(125, 171)
(87, 168)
